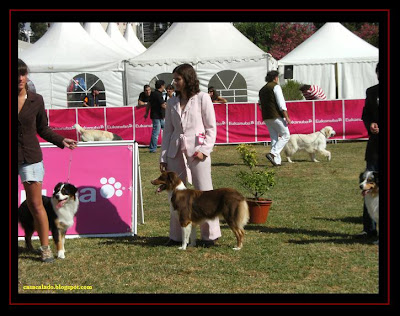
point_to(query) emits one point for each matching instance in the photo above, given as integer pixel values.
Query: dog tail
(79, 128)
(116, 137)
(243, 214)
(289, 149)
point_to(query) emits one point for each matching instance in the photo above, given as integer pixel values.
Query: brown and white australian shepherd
(195, 206)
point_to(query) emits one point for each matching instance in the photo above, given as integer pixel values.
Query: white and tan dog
(95, 135)
(312, 143)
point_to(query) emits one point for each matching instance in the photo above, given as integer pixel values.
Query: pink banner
(62, 122)
(329, 113)
(120, 121)
(354, 126)
(262, 130)
(220, 116)
(241, 123)
(103, 176)
(301, 115)
(236, 123)
(144, 127)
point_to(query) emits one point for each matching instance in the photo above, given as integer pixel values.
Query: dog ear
(73, 188)
(172, 176)
(58, 185)
(327, 132)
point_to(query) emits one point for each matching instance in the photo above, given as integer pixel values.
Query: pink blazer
(182, 130)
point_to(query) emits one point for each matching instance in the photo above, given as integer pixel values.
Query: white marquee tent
(97, 32)
(211, 48)
(334, 58)
(65, 51)
(119, 40)
(132, 39)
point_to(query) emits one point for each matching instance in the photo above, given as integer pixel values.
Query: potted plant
(257, 181)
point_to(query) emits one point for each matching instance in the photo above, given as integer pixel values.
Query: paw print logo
(110, 188)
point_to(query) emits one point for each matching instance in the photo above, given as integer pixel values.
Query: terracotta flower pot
(258, 210)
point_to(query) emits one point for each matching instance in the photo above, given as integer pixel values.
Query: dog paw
(61, 255)
(182, 248)
(236, 248)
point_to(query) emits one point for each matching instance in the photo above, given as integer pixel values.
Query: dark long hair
(192, 84)
(23, 70)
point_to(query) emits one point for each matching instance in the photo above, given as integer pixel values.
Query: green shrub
(291, 90)
(257, 181)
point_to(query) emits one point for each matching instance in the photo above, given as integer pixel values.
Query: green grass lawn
(307, 244)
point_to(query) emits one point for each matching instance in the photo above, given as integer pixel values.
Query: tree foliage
(279, 39)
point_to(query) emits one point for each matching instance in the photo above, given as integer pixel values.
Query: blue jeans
(158, 124)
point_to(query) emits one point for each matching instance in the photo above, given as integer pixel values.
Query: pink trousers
(199, 171)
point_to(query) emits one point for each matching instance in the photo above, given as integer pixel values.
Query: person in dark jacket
(157, 107)
(370, 117)
(92, 99)
(32, 120)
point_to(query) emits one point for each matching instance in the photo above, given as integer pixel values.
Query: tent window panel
(80, 86)
(166, 76)
(231, 85)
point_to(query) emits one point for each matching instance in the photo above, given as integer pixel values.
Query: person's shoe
(271, 157)
(366, 235)
(46, 253)
(208, 243)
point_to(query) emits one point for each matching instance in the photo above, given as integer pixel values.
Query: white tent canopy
(334, 58)
(210, 48)
(65, 51)
(119, 40)
(23, 46)
(97, 32)
(132, 39)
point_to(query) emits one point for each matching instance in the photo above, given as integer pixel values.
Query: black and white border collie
(369, 184)
(60, 208)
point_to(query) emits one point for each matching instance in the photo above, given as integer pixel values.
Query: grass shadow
(348, 219)
(329, 237)
(137, 241)
(25, 253)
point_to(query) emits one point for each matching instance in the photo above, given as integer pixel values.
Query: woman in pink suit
(189, 135)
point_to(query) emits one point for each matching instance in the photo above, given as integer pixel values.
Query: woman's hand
(70, 143)
(199, 155)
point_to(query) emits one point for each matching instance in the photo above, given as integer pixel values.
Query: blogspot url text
(58, 287)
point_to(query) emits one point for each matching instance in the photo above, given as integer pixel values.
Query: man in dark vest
(275, 116)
